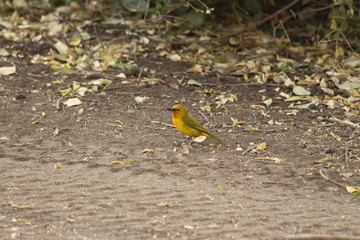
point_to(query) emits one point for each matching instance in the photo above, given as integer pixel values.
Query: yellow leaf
(220, 190)
(19, 220)
(146, 150)
(237, 122)
(75, 42)
(81, 111)
(118, 162)
(339, 52)
(335, 136)
(21, 206)
(165, 204)
(188, 227)
(58, 82)
(350, 189)
(58, 166)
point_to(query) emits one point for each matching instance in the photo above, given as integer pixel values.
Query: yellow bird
(187, 124)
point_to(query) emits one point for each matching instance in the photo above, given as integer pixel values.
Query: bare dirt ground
(62, 185)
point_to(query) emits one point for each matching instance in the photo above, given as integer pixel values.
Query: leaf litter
(314, 78)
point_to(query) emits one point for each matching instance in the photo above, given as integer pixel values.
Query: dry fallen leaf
(174, 57)
(237, 122)
(194, 82)
(268, 102)
(72, 102)
(165, 204)
(7, 70)
(121, 75)
(199, 139)
(147, 150)
(261, 146)
(140, 100)
(61, 47)
(56, 132)
(257, 106)
(196, 68)
(301, 91)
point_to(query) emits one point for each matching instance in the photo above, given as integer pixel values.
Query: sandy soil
(63, 185)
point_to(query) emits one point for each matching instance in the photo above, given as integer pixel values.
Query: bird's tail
(214, 137)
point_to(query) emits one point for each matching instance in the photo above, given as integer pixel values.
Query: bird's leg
(187, 140)
(190, 139)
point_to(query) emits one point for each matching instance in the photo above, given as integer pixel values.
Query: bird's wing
(191, 121)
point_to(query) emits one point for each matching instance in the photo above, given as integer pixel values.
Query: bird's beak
(170, 109)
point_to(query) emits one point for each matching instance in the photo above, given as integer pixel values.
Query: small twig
(265, 200)
(330, 180)
(115, 88)
(140, 73)
(286, 34)
(323, 39)
(278, 183)
(336, 120)
(206, 118)
(243, 84)
(295, 229)
(261, 130)
(80, 236)
(276, 160)
(59, 104)
(147, 9)
(347, 155)
(114, 125)
(248, 150)
(347, 42)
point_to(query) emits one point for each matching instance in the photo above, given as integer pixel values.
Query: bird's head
(177, 110)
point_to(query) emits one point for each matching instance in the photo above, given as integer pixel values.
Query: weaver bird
(187, 124)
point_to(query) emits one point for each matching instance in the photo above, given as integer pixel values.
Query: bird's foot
(187, 141)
